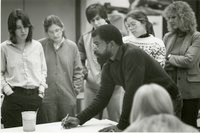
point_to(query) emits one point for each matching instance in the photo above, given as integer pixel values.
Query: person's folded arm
(190, 57)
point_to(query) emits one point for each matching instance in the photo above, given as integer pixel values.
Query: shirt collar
(10, 43)
(144, 35)
(15, 45)
(119, 53)
(57, 46)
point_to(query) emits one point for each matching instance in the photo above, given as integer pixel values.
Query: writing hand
(70, 122)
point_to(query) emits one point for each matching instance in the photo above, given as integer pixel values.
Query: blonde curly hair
(185, 16)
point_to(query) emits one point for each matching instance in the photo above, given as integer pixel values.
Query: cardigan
(64, 68)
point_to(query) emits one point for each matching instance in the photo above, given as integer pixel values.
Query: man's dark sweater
(131, 68)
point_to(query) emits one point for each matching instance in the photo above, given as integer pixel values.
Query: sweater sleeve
(3, 68)
(191, 56)
(160, 53)
(43, 68)
(77, 73)
(102, 98)
(81, 48)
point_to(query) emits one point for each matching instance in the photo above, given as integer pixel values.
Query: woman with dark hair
(23, 70)
(142, 35)
(64, 72)
(183, 56)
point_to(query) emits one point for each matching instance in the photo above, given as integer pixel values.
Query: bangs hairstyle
(150, 99)
(142, 17)
(96, 9)
(53, 19)
(185, 16)
(15, 15)
(108, 33)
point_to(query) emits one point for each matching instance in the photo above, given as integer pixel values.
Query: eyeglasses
(55, 31)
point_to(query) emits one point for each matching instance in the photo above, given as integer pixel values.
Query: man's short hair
(96, 9)
(108, 33)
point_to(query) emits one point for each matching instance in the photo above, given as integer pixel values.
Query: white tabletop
(93, 125)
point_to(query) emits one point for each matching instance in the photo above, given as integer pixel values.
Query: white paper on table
(93, 125)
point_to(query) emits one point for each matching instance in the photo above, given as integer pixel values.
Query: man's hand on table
(70, 122)
(110, 129)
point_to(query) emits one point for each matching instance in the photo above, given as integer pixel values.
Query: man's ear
(112, 43)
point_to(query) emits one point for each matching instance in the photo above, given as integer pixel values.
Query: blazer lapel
(170, 42)
(186, 44)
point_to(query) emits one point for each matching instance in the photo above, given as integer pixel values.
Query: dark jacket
(131, 68)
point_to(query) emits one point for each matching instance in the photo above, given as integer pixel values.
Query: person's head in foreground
(152, 110)
(150, 99)
(161, 123)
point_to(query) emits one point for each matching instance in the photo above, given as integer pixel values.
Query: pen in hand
(70, 122)
(64, 120)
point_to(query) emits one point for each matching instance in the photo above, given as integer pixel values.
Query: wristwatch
(169, 56)
(42, 93)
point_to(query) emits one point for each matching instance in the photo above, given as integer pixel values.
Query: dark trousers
(178, 104)
(190, 111)
(21, 100)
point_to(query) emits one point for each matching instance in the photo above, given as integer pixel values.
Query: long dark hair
(19, 14)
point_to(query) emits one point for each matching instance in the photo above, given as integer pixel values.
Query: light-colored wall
(37, 11)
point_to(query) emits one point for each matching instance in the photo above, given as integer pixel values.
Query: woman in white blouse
(23, 70)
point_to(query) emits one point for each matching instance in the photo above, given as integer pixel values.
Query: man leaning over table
(127, 66)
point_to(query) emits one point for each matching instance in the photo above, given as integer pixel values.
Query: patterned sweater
(151, 45)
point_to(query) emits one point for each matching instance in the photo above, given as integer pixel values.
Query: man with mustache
(128, 66)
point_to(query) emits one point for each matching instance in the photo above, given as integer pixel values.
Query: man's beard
(103, 58)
